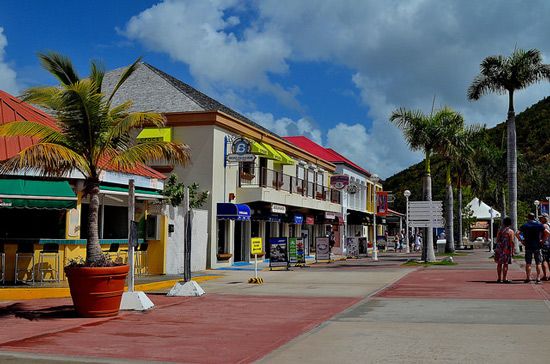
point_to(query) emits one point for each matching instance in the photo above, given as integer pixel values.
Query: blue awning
(232, 211)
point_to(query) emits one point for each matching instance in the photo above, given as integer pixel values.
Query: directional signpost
(426, 214)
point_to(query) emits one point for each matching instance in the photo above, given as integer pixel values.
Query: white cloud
(286, 126)
(8, 81)
(400, 54)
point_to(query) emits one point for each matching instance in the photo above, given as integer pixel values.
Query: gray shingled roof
(151, 89)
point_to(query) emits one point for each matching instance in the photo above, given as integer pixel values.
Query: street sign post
(256, 248)
(428, 214)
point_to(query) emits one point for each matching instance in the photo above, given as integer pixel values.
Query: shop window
(32, 224)
(222, 226)
(152, 227)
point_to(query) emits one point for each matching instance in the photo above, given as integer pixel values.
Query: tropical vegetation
(91, 135)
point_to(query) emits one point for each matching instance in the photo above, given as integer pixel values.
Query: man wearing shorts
(545, 248)
(531, 236)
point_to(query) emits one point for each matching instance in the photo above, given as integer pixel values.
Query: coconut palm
(91, 135)
(423, 132)
(503, 75)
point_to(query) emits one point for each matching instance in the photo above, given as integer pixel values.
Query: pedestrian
(417, 242)
(530, 235)
(504, 250)
(545, 248)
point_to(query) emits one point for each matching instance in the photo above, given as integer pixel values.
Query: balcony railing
(268, 178)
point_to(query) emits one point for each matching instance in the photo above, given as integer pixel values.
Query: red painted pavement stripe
(466, 284)
(212, 328)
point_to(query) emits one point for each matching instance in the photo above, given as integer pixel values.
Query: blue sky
(331, 70)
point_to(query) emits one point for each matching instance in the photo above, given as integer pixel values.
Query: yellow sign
(155, 134)
(256, 246)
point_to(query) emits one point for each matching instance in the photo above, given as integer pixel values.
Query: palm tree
(455, 147)
(90, 135)
(506, 75)
(422, 132)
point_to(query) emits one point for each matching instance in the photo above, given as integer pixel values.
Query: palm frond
(97, 73)
(33, 130)
(46, 158)
(59, 66)
(46, 97)
(127, 73)
(170, 152)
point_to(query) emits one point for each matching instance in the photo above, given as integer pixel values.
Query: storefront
(233, 228)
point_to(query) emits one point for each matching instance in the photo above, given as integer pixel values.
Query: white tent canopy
(481, 210)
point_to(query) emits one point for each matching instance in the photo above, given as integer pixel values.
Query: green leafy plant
(175, 191)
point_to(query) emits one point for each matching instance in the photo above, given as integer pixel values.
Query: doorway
(238, 242)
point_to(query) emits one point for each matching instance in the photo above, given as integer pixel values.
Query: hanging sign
(381, 203)
(278, 252)
(256, 246)
(298, 219)
(241, 151)
(310, 220)
(322, 249)
(339, 181)
(330, 215)
(278, 209)
(353, 188)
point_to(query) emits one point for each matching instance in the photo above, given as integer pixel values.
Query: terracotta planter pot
(97, 291)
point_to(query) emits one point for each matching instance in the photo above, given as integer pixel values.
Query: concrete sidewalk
(352, 311)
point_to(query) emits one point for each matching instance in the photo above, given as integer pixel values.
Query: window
(221, 236)
(152, 227)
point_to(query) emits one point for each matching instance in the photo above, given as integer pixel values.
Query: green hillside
(533, 139)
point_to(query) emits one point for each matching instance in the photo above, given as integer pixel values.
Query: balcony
(267, 178)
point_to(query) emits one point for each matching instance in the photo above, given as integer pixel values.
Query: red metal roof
(322, 152)
(14, 109)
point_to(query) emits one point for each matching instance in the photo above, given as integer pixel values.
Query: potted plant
(89, 136)
(224, 256)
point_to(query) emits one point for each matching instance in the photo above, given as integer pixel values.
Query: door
(238, 251)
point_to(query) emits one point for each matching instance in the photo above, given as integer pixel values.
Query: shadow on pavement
(18, 310)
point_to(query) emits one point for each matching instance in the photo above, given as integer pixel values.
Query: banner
(339, 181)
(292, 250)
(300, 251)
(381, 203)
(352, 247)
(322, 249)
(544, 207)
(278, 252)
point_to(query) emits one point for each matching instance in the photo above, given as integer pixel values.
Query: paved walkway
(353, 311)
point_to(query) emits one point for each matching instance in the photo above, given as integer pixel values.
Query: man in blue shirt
(532, 233)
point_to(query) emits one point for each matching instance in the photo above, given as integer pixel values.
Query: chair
(3, 262)
(24, 250)
(49, 250)
(141, 259)
(113, 250)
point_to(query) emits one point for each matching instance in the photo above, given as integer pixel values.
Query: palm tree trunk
(512, 164)
(428, 254)
(460, 222)
(503, 203)
(449, 235)
(93, 249)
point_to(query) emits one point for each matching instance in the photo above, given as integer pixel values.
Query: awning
(258, 149)
(38, 194)
(155, 134)
(232, 211)
(285, 158)
(123, 191)
(272, 153)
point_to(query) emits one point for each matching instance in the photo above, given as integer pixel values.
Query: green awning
(285, 158)
(140, 192)
(37, 194)
(272, 153)
(258, 149)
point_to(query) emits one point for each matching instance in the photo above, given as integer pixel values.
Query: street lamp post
(375, 179)
(537, 203)
(407, 194)
(491, 243)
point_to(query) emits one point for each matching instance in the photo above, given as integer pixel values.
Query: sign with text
(322, 248)
(278, 252)
(352, 247)
(426, 214)
(278, 209)
(241, 157)
(292, 250)
(256, 246)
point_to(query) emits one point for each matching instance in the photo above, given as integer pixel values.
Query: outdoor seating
(141, 265)
(113, 251)
(49, 250)
(3, 262)
(24, 251)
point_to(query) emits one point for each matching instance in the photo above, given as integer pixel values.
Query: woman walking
(504, 250)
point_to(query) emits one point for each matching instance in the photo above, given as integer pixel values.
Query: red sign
(381, 203)
(310, 220)
(339, 181)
